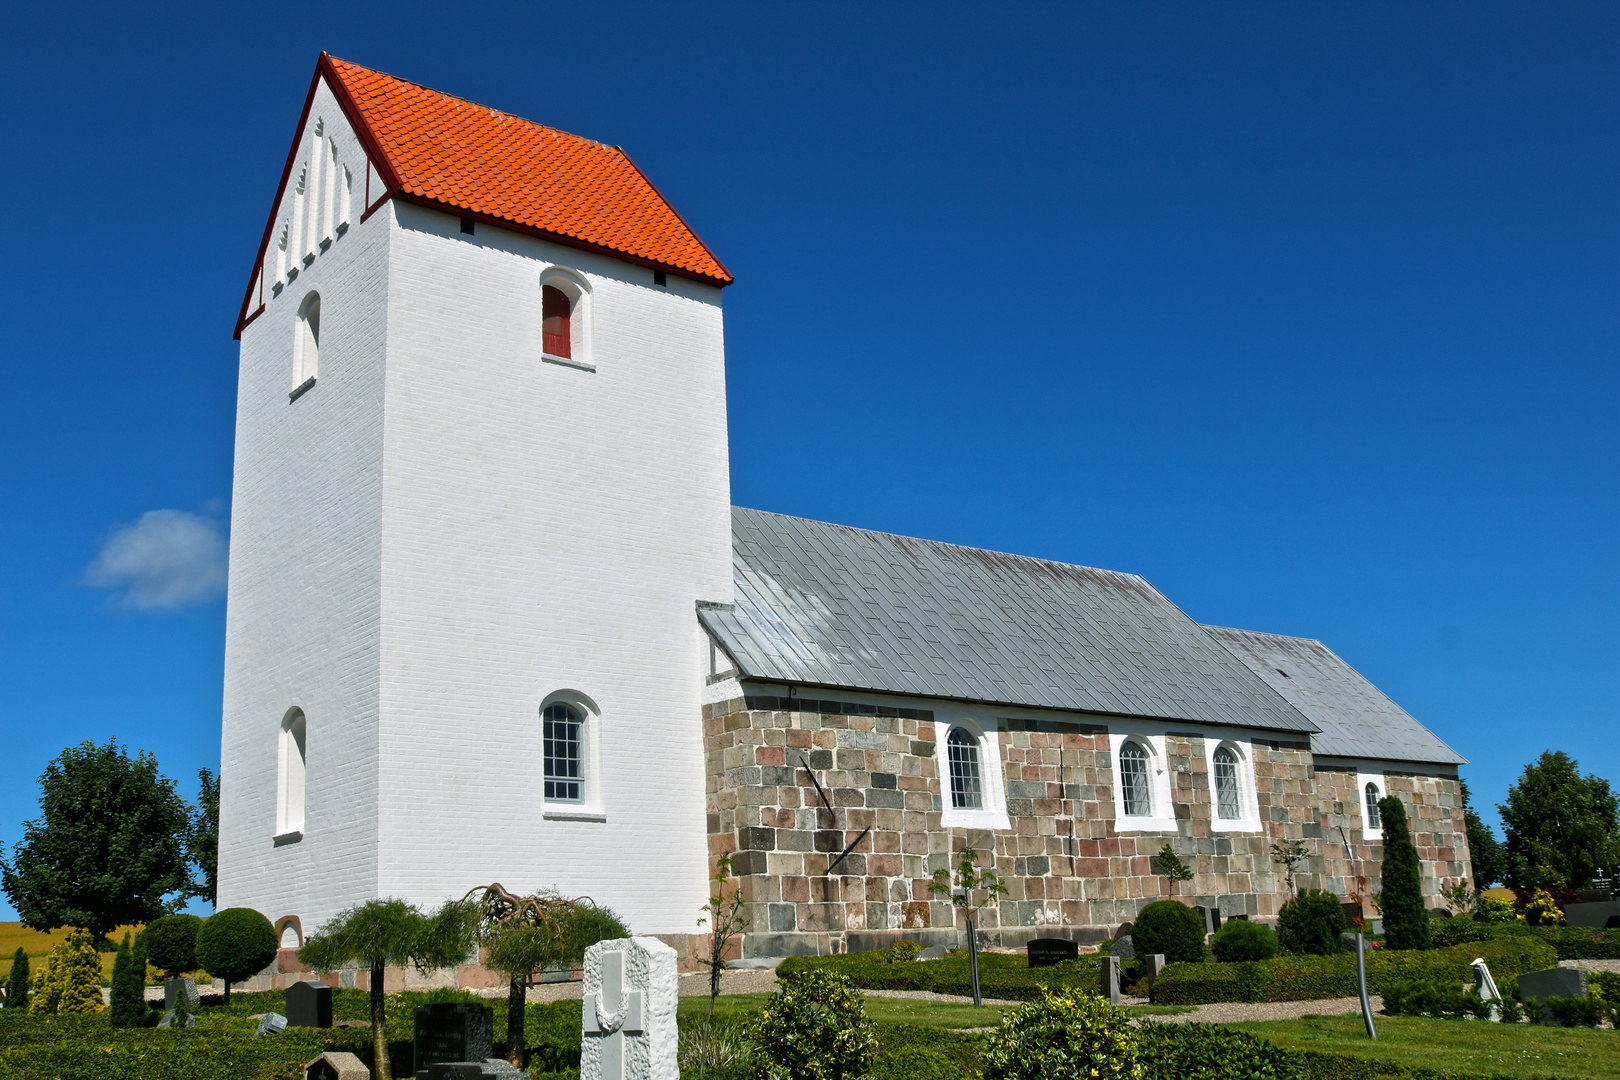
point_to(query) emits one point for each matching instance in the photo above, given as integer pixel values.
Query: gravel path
(1231, 1012)
(929, 995)
(1592, 965)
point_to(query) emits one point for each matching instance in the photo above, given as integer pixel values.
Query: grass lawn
(1526, 1049)
(945, 1014)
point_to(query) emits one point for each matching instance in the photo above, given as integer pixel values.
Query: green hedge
(1002, 976)
(1318, 1065)
(1310, 978)
(1578, 942)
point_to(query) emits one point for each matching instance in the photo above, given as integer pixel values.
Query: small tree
(1312, 923)
(969, 880)
(1406, 920)
(1172, 868)
(391, 933)
(725, 921)
(17, 983)
(171, 944)
(71, 981)
(106, 848)
(1289, 855)
(235, 943)
(128, 987)
(202, 837)
(1555, 816)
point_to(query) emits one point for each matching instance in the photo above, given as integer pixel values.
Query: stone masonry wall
(1351, 859)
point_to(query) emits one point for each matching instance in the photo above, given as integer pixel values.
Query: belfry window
(308, 347)
(561, 727)
(1374, 819)
(1226, 784)
(962, 752)
(1133, 780)
(556, 326)
(291, 763)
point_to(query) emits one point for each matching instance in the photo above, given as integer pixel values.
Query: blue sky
(1307, 313)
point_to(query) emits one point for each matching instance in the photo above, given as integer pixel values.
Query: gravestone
(1558, 982)
(452, 1032)
(337, 1065)
(1110, 980)
(170, 1020)
(309, 1004)
(1155, 964)
(1211, 918)
(628, 1016)
(1124, 948)
(933, 952)
(176, 990)
(1601, 914)
(492, 1069)
(271, 1024)
(1046, 951)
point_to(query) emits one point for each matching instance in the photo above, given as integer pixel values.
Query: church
(493, 618)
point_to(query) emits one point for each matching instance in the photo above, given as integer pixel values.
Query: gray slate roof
(1357, 719)
(833, 606)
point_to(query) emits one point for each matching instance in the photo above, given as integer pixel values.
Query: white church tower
(481, 485)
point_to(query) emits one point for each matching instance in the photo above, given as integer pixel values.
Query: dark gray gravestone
(1600, 914)
(1558, 982)
(933, 952)
(271, 1024)
(1124, 948)
(178, 990)
(1110, 980)
(452, 1032)
(1155, 964)
(309, 1004)
(1211, 917)
(1046, 951)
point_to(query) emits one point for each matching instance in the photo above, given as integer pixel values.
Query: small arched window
(308, 348)
(561, 733)
(962, 752)
(556, 328)
(1133, 780)
(1226, 784)
(291, 768)
(1374, 819)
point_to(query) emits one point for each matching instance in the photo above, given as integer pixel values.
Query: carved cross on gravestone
(628, 1019)
(612, 1013)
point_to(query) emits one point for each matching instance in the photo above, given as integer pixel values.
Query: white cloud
(165, 559)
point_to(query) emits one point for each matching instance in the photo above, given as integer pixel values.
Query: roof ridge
(1264, 633)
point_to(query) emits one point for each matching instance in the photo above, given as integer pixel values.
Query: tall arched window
(1374, 819)
(561, 733)
(291, 767)
(1133, 780)
(556, 322)
(962, 751)
(308, 349)
(1226, 784)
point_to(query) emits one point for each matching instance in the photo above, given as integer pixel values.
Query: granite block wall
(1352, 855)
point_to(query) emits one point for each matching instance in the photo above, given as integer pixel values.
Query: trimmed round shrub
(1062, 1036)
(1311, 923)
(901, 951)
(1206, 1052)
(1171, 928)
(171, 944)
(815, 1028)
(1240, 940)
(234, 944)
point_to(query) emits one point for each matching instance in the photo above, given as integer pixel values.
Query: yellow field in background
(36, 945)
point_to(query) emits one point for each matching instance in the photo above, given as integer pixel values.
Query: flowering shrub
(1063, 1036)
(1541, 910)
(815, 1028)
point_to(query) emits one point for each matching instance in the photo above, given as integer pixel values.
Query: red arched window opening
(554, 326)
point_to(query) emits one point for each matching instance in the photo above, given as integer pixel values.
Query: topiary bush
(1240, 939)
(815, 1028)
(1311, 923)
(902, 951)
(234, 944)
(1205, 1052)
(171, 944)
(1063, 1036)
(1171, 928)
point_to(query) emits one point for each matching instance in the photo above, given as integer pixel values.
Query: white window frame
(992, 811)
(577, 288)
(589, 806)
(1162, 814)
(1248, 819)
(1362, 780)
(292, 775)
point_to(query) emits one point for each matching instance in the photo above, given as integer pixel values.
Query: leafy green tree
(129, 986)
(17, 983)
(202, 837)
(235, 943)
(725, 920)
(1556, 817)
(1172, 868)
(107, 847)
(1489, 861)
(391, 933)
(1406, 920)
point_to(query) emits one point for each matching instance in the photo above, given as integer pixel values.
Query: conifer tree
(17, 984)
(128, 988)
(1406, 920)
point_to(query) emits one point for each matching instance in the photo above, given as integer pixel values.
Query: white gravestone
(631, 991)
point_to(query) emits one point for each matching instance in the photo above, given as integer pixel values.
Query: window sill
(580, 814)
(954, 818)
(283, 839)
(565, 361)
(1145, 824)
(301, 389)
(1235, 825)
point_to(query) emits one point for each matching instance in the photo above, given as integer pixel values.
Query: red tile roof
(445, 150)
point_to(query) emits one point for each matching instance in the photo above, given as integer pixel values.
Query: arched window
(1226, 784)
(1374, 820)
(291, 763)
(561, 734)
(1133, 780)
(963, 753)
(556, 328)
(308, 349)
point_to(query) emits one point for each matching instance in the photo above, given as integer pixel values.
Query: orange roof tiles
(441, 149)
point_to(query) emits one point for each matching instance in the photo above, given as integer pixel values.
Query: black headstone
(309, 1004)
(1046, 951)
(452, 1031)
